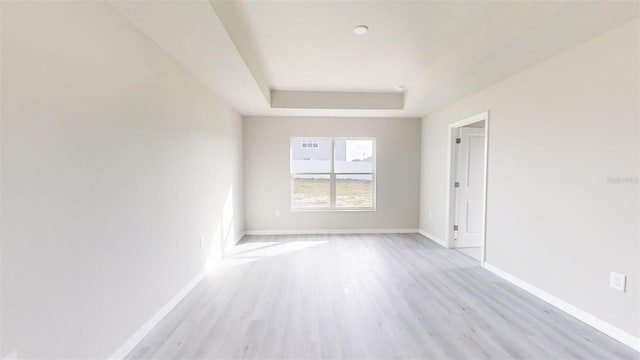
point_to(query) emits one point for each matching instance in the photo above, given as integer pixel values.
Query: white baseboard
(235, 242)
(135, 339)
(434, 238)
(330, 231)
(599, 324)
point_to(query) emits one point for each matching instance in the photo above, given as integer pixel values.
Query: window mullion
(332, 190)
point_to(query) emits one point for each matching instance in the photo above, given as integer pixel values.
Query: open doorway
(468, 144)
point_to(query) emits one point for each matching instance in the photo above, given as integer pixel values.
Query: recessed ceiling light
(400, 88)
(361, 29)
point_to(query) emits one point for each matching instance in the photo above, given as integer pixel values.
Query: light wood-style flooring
(365, 296)
(472, 252)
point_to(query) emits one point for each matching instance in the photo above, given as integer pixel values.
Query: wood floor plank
(365, 296)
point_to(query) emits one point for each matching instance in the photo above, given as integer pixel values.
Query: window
(338, 175)
(309, 144)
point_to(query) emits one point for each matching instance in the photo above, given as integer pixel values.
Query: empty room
(203, 179)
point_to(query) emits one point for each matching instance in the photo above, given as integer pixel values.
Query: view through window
(333, 173)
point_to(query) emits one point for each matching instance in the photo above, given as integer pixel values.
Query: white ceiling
(440, 51)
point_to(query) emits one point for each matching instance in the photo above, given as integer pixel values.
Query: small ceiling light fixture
(400, 88)
(360, 29)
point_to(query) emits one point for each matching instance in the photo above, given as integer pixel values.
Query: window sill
(302, 210)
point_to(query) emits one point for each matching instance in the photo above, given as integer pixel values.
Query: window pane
(353, 156)
(311, 191)
(310, 156)
(354, 191)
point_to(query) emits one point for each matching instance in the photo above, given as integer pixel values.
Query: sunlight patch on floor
(249, 252)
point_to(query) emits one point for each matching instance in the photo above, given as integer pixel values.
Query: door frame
(452, 157)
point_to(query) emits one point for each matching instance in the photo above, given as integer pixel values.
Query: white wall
(558, 132)
(115, 160)
(266, 167)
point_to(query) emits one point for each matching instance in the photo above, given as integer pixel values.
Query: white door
(469, 187)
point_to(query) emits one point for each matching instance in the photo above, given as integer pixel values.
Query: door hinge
(455, 227)
(458, 140)
(456, 184)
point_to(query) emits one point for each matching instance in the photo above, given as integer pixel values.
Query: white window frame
(332, 176)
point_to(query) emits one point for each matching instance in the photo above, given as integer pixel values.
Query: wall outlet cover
(618, 281)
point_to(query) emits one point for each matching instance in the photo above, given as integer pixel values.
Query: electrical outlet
(618, 281)
(276, 213)
(201, 242)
